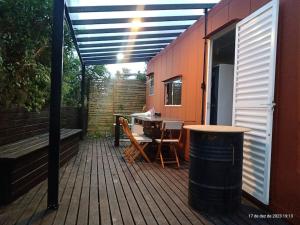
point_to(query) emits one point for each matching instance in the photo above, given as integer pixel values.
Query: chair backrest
(124, 124)
(172, 125)
(169, 127)
(127, 131)
(137, 128)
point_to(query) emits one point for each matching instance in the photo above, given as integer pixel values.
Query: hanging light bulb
(120, 56)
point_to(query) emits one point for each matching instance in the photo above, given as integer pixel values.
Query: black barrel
(215, 182)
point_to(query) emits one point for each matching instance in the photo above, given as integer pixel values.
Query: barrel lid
(217, 128)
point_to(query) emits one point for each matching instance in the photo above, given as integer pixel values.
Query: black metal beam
(121, 48)
(124, 52)
(203, 85)
(113, 8)
(129, 29)
(115, 55)
(55, 102)
(115, 58)
(129, 20)
(115, 61)
(128, 37)
(71, 30)
(124, 59)
(137, 42)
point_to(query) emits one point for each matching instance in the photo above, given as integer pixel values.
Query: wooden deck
(98, 187)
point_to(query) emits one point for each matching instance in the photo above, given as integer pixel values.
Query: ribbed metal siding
(253, 95)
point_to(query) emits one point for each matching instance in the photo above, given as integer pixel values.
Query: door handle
(271, 105)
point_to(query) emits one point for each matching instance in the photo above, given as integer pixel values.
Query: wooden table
(151, 124)
(216, 128)
(216, 161)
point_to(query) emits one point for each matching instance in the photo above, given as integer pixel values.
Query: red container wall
(185, 57)
(285, 167)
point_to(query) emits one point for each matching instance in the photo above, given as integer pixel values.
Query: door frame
(209, 68)
(269, 140)
(265, 199)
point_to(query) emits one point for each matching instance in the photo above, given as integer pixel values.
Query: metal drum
(215, 180)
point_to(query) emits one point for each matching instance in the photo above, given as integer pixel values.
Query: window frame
(151, 83)
(172, 81)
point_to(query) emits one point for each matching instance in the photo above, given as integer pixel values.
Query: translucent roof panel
(133, 2)
(99, 26)
(125, 14)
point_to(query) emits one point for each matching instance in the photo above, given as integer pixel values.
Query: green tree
(25, 40)
(72, 79)
(141, 76)
(25, 27)
(97, 72)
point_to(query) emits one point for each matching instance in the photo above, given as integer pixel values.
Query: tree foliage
(25, 40)
(71, 89)
(141, 76)
(24, 51)
(126, 74)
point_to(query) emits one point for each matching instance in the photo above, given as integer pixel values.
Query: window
(173, 91)
(151, 83)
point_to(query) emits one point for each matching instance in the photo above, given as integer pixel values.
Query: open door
(253, 98)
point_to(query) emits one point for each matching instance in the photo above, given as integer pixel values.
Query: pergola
(101, 39)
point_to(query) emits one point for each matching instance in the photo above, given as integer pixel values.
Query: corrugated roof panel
(101, 28)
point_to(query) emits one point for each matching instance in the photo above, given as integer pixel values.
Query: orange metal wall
(185, 57)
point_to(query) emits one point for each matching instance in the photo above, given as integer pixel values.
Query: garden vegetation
(25, 57)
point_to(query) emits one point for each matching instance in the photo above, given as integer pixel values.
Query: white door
(253, 97)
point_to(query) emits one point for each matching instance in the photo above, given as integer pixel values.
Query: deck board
(73, 202)
(172, 201)
(158, 207)
(98, 187)
(121, 198)
(66, 188)
(104, 204)
(131, 201)
(115, 209)
(143, 199)
(94, 210)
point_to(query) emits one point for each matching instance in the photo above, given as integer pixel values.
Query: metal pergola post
(117, 130)
(83, 110)
(203, 85)
(55, 102)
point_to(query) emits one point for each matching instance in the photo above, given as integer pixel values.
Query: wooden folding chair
(138, 143)
(167, 137)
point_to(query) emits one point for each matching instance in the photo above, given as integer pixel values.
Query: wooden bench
(24, 164)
